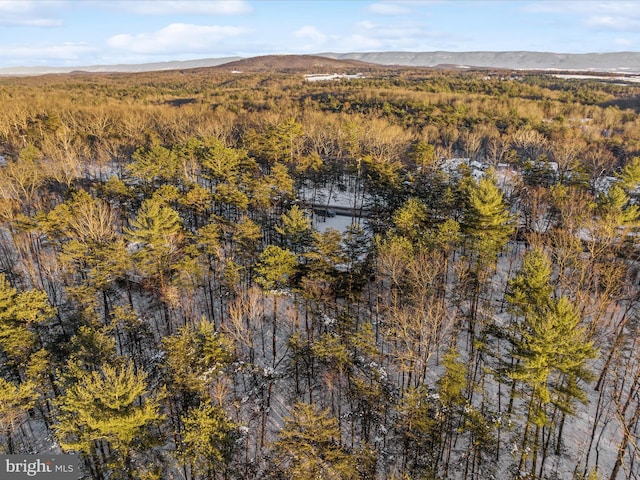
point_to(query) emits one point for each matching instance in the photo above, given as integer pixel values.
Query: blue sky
(88, 32)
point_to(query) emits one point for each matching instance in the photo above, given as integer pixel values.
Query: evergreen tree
(487, 220)
(617, 209)
(322, 260)
(156, 233)
(417, 424)
(20, 315)
(110, 405)
(275, 268)
(551, 351)
(247, 236)
(155, 164)
(630, 174)
(15, 403)
(90, 348)
(228, 171)
(356, 244)
(196, 357)
(309, 447)
(529, 291)
(488, 226)
(295, 227)
(208, 441)
(454, 412)
(223, 164)
(277, 143)
(423, 154)
(410, 219)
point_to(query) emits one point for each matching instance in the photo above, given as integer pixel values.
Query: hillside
(297, 63)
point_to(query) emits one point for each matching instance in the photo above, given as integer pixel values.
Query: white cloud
(400, 7)
(387, 8)
(580, 6)
(181, 7)
(30, 13)
(23, 6)
(361, 42)
(312, 33)
(64, 51)
(40, 22)
(394, 31)
(613, 23)
(395, 36)
(177, 37)
(365, 24)
(365, 35)
(608, 15)
(623, 42)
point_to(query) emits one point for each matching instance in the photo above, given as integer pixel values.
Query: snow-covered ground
(339, 222)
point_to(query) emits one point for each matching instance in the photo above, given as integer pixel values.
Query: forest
(174, 303)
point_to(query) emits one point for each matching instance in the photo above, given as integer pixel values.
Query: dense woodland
(169, 310)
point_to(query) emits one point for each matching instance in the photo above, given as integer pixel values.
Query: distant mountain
(619, 62)
(125, 68)
(297, 63)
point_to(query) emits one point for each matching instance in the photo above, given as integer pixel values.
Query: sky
(103, 32)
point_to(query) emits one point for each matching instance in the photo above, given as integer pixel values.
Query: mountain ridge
(120, 68)
(297, 63)
(619, 62)
(611, 62)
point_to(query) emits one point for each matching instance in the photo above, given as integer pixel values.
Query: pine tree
(450, 388)
(157, 233)
(15, 403)
(20, 315)
(488, 226)
(295, 228)
(410, 219)
(155, 164)
(487, 220)
(324, 255)
(630, 174)
(418, 426)
(247, 236)
(110, 405)
(275, 268)
(529, 292)
(277, 143)
(228, 171)
(423, 154)
(549, 349)
(309, 447)
(208, 441)
(92, 255)
(356, 243)
(206, 260)
(552, 352)
(617, 209)
(196, 357)
(90, 348)
(223, 164)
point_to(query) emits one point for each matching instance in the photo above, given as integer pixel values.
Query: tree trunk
(624, 443)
